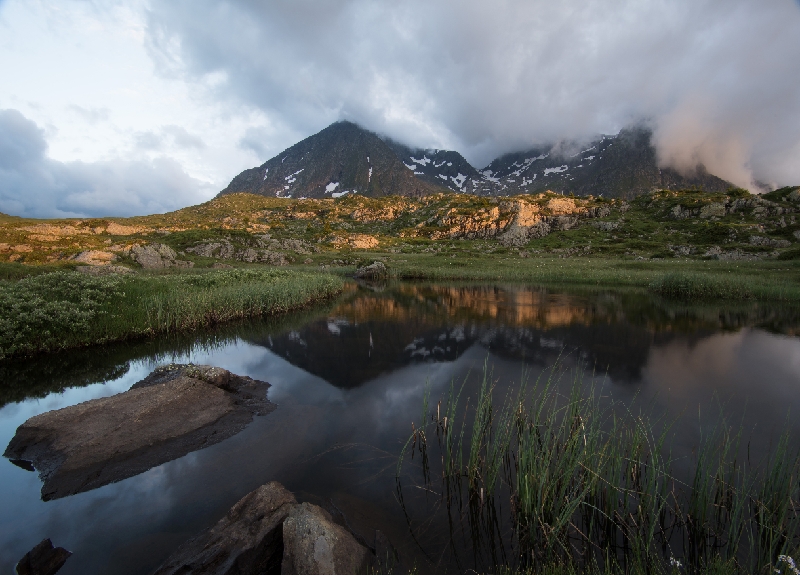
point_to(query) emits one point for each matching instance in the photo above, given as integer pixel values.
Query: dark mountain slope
(439, 167)
(621, 166)
(342, 158)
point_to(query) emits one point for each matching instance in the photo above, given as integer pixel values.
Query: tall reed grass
(587, 485)
(64, 310)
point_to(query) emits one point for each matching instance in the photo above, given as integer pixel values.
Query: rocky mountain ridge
(345, 158)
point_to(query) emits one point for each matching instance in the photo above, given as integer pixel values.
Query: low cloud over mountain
(715, 79)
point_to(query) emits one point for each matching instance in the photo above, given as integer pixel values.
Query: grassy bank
(62, 310)
(577, 485)
(682, 279)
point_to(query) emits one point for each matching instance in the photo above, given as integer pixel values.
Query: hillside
(243, 229)
(343, 158)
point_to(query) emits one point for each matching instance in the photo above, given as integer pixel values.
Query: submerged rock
(177, 409)
(249, 539)
(44, 559)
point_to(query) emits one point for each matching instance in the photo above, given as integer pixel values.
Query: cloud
(33, 185)
(91, 115)
(715, 78)
(156, 140)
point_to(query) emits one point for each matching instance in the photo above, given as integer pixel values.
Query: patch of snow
(285, 187)
(419, 173)
(330, 187)
(368, 159)
(487, 175)
(284, 158)
(424, 161)
(435, 165)
(265, 173)
(340, 194)
(542, 157)
(369, 174)
(412, 167)
(443, 177)
(589, 158)
(510, 180)
(558, 170)
(459, 179)
(449, 164)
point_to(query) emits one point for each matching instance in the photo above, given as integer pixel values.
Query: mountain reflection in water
(348, 378)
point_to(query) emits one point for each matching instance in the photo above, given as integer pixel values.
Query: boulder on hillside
(249, 539)
(44, 559)
(157, 256)
(314, 545)
(175, 410)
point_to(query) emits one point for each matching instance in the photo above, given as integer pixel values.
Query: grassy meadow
(66, 309)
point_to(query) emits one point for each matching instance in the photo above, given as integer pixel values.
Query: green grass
(590, 486)
(62, 310)
(670, 277)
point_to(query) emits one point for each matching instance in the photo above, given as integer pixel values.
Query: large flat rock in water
(177, 409)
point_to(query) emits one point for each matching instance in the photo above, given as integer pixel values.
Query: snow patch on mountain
(330, 187)
(557, 170)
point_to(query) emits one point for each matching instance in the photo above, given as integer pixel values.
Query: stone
(794, 195)
(314, 545)
(714, 210)
(771, 242)
(95, 258)
(157, 256)
(175, 410)
(606, 226)
(248, 540)
(375, 270)
(44, 559)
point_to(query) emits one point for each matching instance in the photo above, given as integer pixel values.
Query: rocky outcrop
(262, 250)
(44, 559)
(314, 545)
(374, 271)
(769, 242)
(268, 532)
(177, 409)
(95, 258)
(156, 256)
(249, 539)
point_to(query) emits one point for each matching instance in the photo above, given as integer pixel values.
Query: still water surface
(349, 379)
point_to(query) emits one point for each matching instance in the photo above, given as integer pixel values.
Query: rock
(606, 226)
(175, 410)
(715, 210)
(44, 559)
(314, 545)
(374, 271)
(226, 250)
(771, 242)
(249, 539)
(794, 195)
(221, 266)
(95, 258)
(157, 256)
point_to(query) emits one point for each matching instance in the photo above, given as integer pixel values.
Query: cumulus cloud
(33, 185)
(717, 79)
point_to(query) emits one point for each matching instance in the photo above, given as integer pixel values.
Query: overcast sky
(123, 108)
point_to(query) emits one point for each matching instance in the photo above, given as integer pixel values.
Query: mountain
(439, 167)
(343, 158)
(621, 166)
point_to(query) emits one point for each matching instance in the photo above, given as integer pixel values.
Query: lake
(349, 378)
